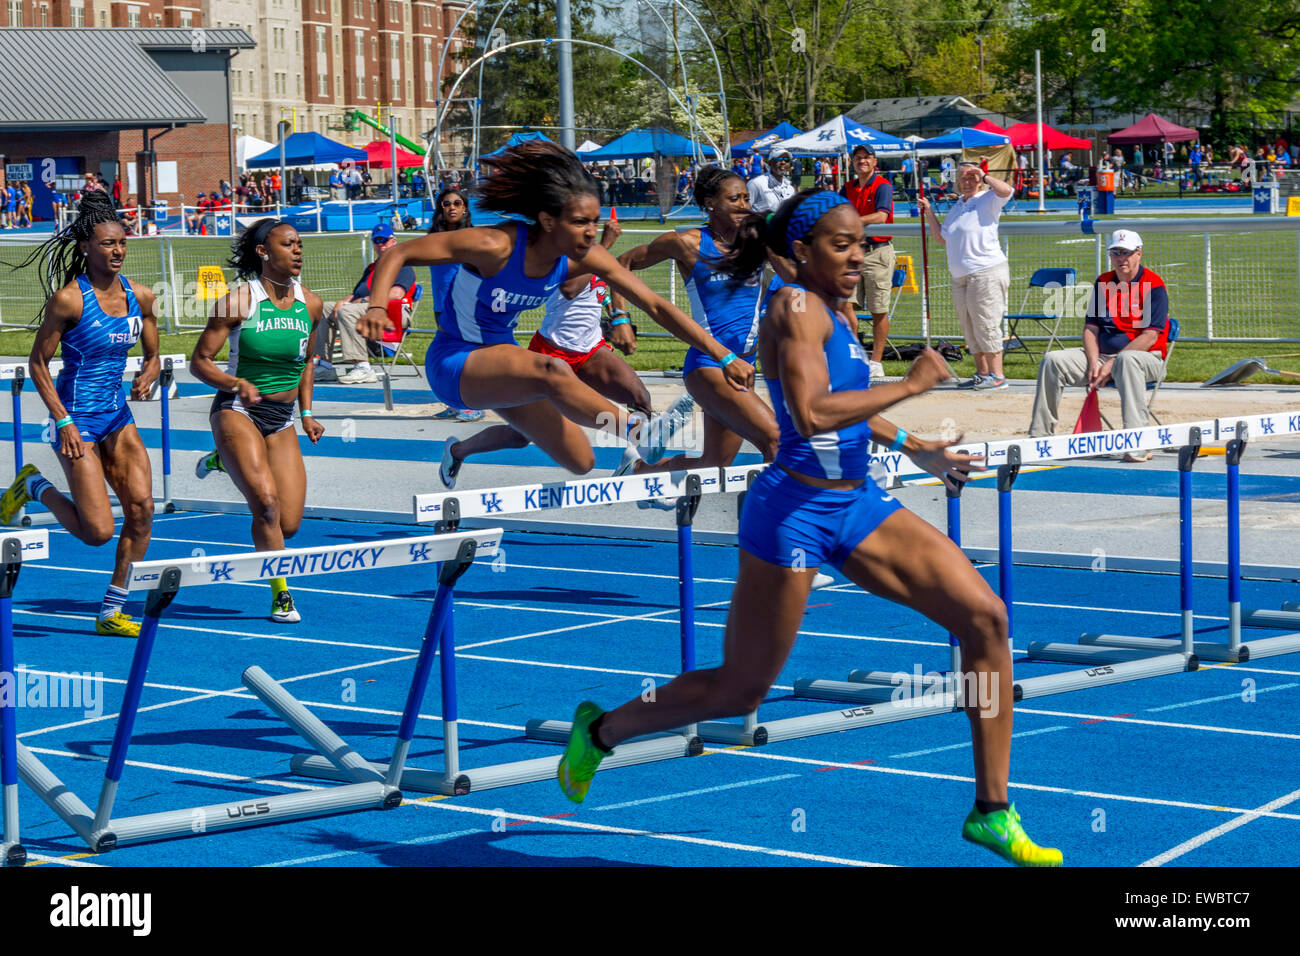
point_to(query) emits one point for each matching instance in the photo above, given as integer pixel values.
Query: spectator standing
(767, 192)
(25, 203)
(1125, 338)
(1194, 159)
(117, 191)
(872, 197)
(980, 275)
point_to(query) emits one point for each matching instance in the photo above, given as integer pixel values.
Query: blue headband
(809, 211)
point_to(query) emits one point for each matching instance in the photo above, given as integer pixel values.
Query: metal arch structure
(689, 106)
(435, 150)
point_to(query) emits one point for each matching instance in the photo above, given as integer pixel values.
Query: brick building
(167, 91)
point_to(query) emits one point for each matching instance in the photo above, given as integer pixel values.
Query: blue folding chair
(1153, 387)
(1046, 279)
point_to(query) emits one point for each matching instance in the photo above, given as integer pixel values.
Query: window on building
(157, 19)
(45, 14)
(103, 18)
(374, 48)
(239, 82)
(428, 86)
(297, 41)
(338, 85)
(133, 17)
(15, 13)
(78, 16)
(322, 84)
(187, 18)
(397, 86)
(299, 83)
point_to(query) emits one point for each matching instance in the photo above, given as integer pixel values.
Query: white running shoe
(822, 581)
(282, 609)
(449, 467)
(664, 426)
(628, 463)
(877, 372)
(359, 376)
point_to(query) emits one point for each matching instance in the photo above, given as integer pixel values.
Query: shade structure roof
(307, 149)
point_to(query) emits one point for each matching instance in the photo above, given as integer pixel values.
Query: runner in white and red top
(571, 331)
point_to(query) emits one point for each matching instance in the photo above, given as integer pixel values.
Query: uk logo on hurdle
(1044, 448)
(491, 501)
(420, 552)
(220, 572)
(653, 486)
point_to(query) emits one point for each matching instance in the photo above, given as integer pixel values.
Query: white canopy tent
(247, 147)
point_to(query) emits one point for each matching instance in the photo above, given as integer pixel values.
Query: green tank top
(269, 348)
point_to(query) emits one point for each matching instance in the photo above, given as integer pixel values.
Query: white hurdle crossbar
(365, 787)
(446, 510)
(15, 548)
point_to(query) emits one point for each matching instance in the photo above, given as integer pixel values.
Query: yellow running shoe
(16, 496)
(119, 625)
(581, 756)
(1002, 833)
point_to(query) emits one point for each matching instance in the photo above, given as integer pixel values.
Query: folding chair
(393, 342)
(1042, 279)
(1153, 387)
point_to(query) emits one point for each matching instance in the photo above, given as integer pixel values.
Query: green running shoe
(581, 756)
(16, 496)
(209, 463)
(1002, 833)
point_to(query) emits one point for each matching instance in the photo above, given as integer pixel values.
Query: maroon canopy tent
(1153, 129)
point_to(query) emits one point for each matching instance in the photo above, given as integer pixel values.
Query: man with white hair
(1125, 338)
(768, 191)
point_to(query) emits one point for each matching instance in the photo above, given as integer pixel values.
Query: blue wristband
(624, 321)
(63, 421)
(727, 359)
(306, 413)
(899, 440)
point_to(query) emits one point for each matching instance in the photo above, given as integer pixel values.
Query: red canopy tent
(987, 127)
(1025, 136)
(380, 155)
(1153, 129)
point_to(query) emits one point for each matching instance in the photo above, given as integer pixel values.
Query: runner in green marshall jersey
(269, 321)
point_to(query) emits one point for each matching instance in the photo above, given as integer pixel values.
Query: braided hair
(757, 233)
(59, 258)
(709, 182)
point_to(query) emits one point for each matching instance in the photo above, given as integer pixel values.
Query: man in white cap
(1125, 338)
(768, 191)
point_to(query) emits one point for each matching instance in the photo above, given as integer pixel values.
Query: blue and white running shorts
(96, 426)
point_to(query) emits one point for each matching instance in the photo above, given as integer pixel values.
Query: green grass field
(1249, 289)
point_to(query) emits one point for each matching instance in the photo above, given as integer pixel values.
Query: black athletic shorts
(269, 417)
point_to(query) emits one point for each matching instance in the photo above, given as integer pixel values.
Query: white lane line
(1161, 723)
(966, 744)
(670, 837)
(649, 616)
(40, 858)
(956, 778)
(1204, 838)
(1211, 700)
(695, 793)
(381, 845)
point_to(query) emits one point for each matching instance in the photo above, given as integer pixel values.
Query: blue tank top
(728, 308)
(94, 353)
(440, 280)
(837, 454)
(486, 310)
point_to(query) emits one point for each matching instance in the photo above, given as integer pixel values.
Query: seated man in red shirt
(1125, 337)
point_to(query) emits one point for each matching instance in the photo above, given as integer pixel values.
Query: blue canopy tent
(637, 143)
(307, 149)
(517, 138)
(761, 143)
(956, 140)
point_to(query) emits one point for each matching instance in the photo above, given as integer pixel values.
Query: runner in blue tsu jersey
(474, 361)
(97, 316)
(816, 503)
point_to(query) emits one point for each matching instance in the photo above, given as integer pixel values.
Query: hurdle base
(66, 804)
(1272, 646)
(1283, 619)
(255, 811)
(419, 780)
(735, 735)
(1059, 652)
(12, 854)
(853, 692)
(1107, 670)
(1204, 650)
(830, 722)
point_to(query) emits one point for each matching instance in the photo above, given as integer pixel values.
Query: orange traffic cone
(613, 214)
(1090, 414)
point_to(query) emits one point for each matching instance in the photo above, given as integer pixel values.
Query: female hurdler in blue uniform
(816, 503)
(97, 316)
(474, 361)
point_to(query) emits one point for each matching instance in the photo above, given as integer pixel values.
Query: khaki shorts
(877, 277)
(981, 302)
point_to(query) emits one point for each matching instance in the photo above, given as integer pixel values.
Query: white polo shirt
(970, 234)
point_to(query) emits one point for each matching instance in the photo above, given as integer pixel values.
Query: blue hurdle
(18, 373)
(446, 511)
(365, 787)
(15, 548)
